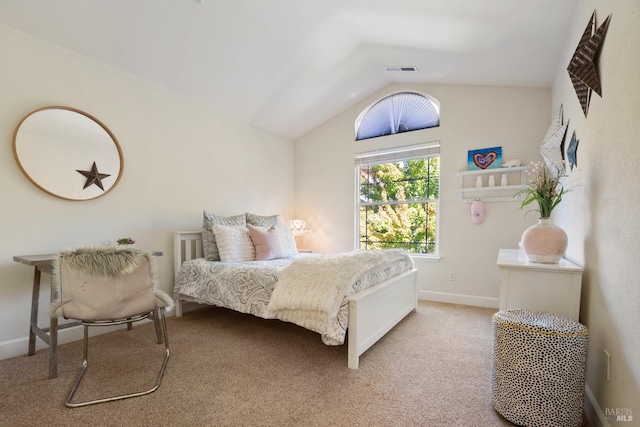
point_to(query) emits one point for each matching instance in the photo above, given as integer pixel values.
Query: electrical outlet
(608, 363)
(452, 275)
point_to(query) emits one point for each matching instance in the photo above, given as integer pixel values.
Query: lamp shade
(298, 227)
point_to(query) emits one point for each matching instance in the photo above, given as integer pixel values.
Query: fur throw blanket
(104, 262)
(310, 291)
(107, 261)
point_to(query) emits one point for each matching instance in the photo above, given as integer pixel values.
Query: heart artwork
(483, 161)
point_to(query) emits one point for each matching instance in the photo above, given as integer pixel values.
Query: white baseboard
(591, 408)
(20, 346)
(459, 299)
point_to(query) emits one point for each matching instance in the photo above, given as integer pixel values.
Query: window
(397, 198)
(397, 113)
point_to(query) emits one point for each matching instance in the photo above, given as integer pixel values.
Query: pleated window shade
(400, 112)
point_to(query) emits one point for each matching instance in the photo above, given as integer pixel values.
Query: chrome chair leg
(83, 368)
(159, 320)
(157, 323)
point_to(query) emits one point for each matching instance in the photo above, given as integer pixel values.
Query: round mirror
(68, 153)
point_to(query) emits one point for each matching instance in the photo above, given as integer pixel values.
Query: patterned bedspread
(247, 287)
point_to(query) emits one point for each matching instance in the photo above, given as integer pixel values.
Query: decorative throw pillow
(234, 243)
(273, 242)
(262, 221)
(287, 240)
(267, 243)
(209, 246)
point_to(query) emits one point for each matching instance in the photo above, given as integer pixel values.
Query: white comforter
(310, 291)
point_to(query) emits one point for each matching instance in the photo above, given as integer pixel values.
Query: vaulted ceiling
(290, 65)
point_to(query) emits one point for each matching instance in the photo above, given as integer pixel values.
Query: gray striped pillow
(209, 246)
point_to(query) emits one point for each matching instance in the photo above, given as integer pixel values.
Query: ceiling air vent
(403, 69)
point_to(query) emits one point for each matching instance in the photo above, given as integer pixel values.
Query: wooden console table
(48, 334)
(42, 263)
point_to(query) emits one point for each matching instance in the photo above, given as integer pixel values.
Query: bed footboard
(187, 245)
(374, 311)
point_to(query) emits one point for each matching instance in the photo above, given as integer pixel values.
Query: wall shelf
(468, 192)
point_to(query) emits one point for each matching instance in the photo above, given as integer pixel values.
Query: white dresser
(544, 287)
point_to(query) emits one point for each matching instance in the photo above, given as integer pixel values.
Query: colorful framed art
(484, 158)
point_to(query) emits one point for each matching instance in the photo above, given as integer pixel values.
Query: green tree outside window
(398, 204)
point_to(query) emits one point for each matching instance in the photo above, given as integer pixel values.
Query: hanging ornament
(477, 211)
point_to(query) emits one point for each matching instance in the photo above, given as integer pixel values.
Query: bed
(371, 306)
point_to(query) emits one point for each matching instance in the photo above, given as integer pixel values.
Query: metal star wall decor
(552, 147)
(93, 177)
(582, 68)
(572, 151)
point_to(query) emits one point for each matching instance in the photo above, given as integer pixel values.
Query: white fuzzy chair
(107, 286)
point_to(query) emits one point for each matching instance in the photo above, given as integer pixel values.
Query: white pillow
(209, 246)
(287, 241)
(234, 243)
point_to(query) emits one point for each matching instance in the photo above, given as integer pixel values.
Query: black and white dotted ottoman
(539, 368)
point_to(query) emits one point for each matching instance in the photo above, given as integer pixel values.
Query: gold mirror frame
(68, 153)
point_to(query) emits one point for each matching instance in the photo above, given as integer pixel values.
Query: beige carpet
(230, 369)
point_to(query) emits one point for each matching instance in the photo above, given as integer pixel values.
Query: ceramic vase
(544, 242)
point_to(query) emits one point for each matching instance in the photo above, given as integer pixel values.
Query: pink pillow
(266, 242)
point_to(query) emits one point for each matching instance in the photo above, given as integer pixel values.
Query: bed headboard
(186, 245)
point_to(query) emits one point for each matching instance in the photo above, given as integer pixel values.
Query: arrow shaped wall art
(552, 147)
(582, 68)
(572, 151)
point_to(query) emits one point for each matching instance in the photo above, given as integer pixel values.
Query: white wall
(471, 117)
(600, 215)
(179, 158)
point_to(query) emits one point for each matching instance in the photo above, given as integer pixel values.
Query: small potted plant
(126, 241)
(543, 242)
(545, 188)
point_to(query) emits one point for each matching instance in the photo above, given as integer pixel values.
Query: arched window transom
(397, 113)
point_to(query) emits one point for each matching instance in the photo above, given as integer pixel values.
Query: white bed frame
(372, 312)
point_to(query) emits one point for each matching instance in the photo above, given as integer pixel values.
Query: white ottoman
(539, 368)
